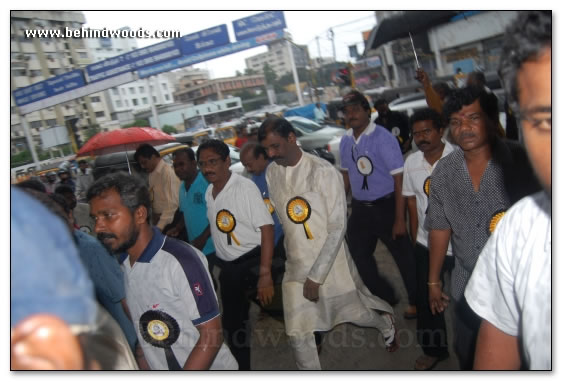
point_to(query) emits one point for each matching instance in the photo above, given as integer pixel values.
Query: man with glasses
(243, 234)
(510, 287)
(372, 167)
(470, 191)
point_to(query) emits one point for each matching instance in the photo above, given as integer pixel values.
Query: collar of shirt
(368, 130)
(227, 185)
(448, 148)
(159, 167)
(151, 249)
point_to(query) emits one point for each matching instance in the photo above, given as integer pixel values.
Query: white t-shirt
(511, 284)
(170, 293)
(416, 172)
(241, 199)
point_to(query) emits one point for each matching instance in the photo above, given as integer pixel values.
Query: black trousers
(430, 329)
(466, 326)
(238, 281)
(366, 225)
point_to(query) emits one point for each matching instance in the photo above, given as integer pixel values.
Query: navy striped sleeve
(198, 279)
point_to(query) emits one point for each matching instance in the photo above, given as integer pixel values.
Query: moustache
(423, 143)
(206, 174)
(104, 236)
(466, 134)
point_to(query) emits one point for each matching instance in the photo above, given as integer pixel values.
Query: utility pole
(319, 50)
(331, 37)
(295, 75)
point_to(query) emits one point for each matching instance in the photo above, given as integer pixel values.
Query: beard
(132, 237)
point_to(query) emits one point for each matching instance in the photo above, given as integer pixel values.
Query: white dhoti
(314, 231)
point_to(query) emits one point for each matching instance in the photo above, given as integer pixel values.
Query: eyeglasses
(472, 120)
(539, 118)
(211, 162)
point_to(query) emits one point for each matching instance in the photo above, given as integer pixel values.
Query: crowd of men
(142, 293)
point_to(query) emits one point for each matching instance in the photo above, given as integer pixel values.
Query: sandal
(391, 344)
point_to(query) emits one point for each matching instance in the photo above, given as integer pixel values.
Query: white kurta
(325, 259)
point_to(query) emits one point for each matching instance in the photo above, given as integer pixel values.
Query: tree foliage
(138, 123)
(169, 129)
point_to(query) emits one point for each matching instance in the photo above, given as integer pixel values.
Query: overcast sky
(304, 26)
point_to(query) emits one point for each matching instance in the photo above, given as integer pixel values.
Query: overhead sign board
(133, 60)
(205, 39)
(71, 94)
(210, 54)
(258, 24)
(51, 87)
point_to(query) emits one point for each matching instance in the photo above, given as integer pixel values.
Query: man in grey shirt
(470, 190)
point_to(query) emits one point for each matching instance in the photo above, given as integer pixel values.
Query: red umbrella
(123, 140)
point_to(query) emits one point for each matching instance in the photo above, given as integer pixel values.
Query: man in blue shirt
(193, 206)
(372, 167)
(255, 159)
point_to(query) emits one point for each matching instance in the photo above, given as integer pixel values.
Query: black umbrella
(396, 27)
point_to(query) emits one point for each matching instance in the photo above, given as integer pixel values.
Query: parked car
(314, 138)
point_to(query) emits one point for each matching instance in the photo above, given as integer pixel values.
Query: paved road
(347, 347)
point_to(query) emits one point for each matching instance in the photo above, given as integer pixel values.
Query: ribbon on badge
(365, 167)
(161, 330)
(299, 211)
(226, 223)
(495, 219)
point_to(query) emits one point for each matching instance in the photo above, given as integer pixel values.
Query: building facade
(39, 58)
(217, 89)
(278, 58)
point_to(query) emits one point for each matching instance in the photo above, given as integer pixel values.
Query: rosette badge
(161, 330)
(495, 220)
(269, 205)
(427, 186)
(226, 223)
(299, 211)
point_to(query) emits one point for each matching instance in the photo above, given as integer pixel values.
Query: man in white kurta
(321, 286)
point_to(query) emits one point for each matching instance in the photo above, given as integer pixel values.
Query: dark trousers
(366, 225)
(238, 281)
(430, 328)
(466, 326)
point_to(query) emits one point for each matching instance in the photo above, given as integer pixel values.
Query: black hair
(132, 190)
(355, 97)
(219, 147)
(188, 151)
(380, 102)
(145, 151)
(256, 148)
(33, 184)
(459, 98)
(442, 88)
(277, 125)
(427, 114)
(524, 40)
(477, 76)
(64, 189)
(54, 203)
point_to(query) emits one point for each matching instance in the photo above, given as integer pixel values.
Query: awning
(396, 27)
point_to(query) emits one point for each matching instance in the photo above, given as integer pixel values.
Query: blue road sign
(210, 54)
(134, 60)
(204, 40)
(258, 24)
(51, 87)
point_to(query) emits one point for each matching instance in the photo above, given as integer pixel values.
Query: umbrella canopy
(123, 140)
(396, 27)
